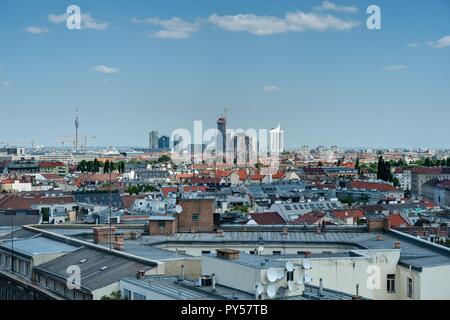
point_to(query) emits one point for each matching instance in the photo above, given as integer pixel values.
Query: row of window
(18, 265)
(310, 206)
(130, 295)
(391, 285)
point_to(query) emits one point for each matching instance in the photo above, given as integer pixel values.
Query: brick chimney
(103, 234)
(229, 254)
(397, 245)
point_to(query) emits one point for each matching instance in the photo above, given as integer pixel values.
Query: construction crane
(86, 137)
(66, 140)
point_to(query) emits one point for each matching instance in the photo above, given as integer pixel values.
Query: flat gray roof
(38, 245)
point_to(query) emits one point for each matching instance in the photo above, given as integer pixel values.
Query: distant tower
(221, 141)
(77, 125)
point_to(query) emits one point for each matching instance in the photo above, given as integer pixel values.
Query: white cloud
(271, 88)
(87, 21)
(414, 45)
(292, 22)
(441, 43)
(105, 69)
(394, 68)
(6, 83)
(330, 6)
(174, 28)
(36, 30)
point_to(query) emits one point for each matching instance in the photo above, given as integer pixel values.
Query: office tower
(221, 140)
(153, 140)
(164, 142)
(276, 141)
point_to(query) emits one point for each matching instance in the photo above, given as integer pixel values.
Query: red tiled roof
(350, 213)
(243, 175)
(222, 173)
(267, 218)
(397, 221)
(96, 177)
(51, 176)
(279, 175)
(25, 202)
(185, 175)
(7, 181)
(426, 170)
(50, 164)
(309, 218)
(257, 176)
(128, 200)
(371, 185)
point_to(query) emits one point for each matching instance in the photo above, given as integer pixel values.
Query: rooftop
(38, 245)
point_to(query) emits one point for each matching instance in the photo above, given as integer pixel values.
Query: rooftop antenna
(77, 125)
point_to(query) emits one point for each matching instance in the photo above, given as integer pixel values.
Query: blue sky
(311, 66)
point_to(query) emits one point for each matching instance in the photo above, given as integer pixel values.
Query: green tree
(106, 167)
(358, 166)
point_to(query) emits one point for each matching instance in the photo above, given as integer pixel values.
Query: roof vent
(379, 237)
(82, 261)
(103, 268)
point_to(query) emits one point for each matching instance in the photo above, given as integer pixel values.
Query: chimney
(397, 245)
(182, 272)
(228, 254)
(220, 233)
(119, 246)
(214, 281)
(285, 231)
(307, 254)
(140, 274)
(356, 297)
(321, 287)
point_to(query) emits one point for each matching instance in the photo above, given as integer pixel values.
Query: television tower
(77, 124)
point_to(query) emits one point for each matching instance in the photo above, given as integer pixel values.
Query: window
(137, 296)
(276, 253)
(195, 217)
(409, 288)
(391, 283)
(206, 252)
(161, 224)
(126, 294)
(287, 207)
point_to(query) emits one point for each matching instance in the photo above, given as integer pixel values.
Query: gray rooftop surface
(38, 245)
(92, 277)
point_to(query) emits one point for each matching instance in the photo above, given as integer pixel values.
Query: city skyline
(160, 66)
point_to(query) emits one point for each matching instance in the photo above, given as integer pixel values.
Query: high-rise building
(153, 140)
(221, 139)
(276, 140)
(241, 149)
(164, 142)
(77, 125)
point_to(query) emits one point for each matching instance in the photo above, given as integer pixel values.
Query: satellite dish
(259, 288)
(308, 279)
(260, 249)
(280, 274)
(178, 209)
(300, 281)
(291, 286)
(306, 265)
(289, 266)
(272, 275)
(271, 291)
